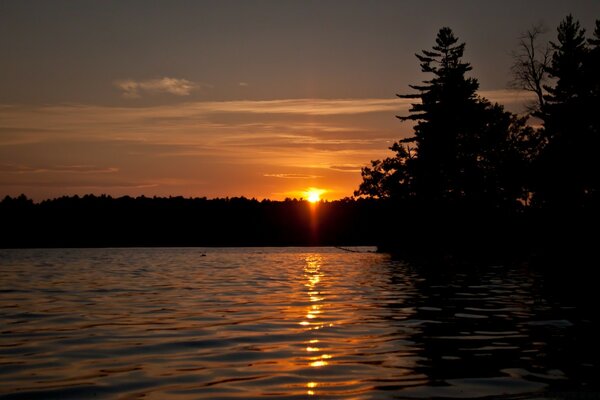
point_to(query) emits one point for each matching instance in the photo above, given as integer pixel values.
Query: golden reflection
(311, 385)
(313, 314)
(314, 279)
(319, 363)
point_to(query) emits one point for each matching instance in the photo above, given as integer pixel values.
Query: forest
(104, 221)
(474, 180)
(474, 175)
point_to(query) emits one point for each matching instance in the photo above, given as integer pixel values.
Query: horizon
(310, 198)
(265, 100)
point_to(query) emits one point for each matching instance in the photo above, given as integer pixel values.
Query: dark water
(284, 323)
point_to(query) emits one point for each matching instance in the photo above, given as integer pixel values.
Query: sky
(262, 99)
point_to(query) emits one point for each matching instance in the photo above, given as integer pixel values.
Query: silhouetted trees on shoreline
(104, 221)
(473, 182)
(475, 175)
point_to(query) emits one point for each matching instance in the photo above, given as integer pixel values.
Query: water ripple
(282, 323)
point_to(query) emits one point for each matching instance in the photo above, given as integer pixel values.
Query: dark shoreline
(449, 235)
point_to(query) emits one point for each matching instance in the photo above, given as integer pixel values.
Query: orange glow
(311, 385)
(319, 363)
(313, 195)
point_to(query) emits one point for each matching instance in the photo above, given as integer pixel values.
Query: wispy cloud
(510, 98)
(306, 106)
(70, 169)
(62, 184)
(292, 176)
(253, 147)
(134, 89)
(346, 167)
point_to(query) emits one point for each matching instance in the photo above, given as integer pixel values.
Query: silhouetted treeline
(475, 178)
(474, 181)
(92, 221)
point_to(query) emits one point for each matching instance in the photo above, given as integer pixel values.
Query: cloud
(346, 168)
(513, 100)
(79, 184)
(71, 169)
(133, 89)
(292, 176)
(243, 84)
(252, 147)
(307, 106)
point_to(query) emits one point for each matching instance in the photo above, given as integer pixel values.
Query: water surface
(282, 323)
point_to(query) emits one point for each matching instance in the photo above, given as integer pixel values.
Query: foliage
(566, 171)
(465, 149)
(90, 221)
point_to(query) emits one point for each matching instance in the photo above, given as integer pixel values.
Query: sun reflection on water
(310, 386)
(314, 313)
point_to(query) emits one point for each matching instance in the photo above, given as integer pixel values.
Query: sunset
(295, 199)
(216, 99)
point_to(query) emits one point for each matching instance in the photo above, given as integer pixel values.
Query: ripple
(284, 323)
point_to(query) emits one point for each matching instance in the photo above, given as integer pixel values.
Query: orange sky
(260, 99)
(263, 149)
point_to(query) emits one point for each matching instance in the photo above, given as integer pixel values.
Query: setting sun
(313, 195)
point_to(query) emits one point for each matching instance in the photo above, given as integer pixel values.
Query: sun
(313, 195)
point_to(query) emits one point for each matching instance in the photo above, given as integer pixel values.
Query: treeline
(474, 176)
(103, 221)
(474, 180)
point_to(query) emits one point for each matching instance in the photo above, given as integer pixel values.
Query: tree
(444, 102)
(592, 79)
(530, 65)
(389, 178)
(461, 143)
(567, 62)
(564, 165)
(593, 62)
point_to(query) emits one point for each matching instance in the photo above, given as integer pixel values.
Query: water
(282, 323)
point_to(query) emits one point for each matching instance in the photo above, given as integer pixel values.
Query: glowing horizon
(289, 96)
(272, 149)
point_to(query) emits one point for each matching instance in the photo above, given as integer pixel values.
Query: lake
(284, 323)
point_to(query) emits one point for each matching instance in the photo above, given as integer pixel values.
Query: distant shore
(440, 237)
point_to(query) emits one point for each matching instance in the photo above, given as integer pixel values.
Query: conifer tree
(463, 149)
(563, 167)
(440, 136)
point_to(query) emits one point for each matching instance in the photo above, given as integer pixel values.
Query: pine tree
(441, 127)
(567, 62)
(462, 149)
(563, 165)
(592, 108)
